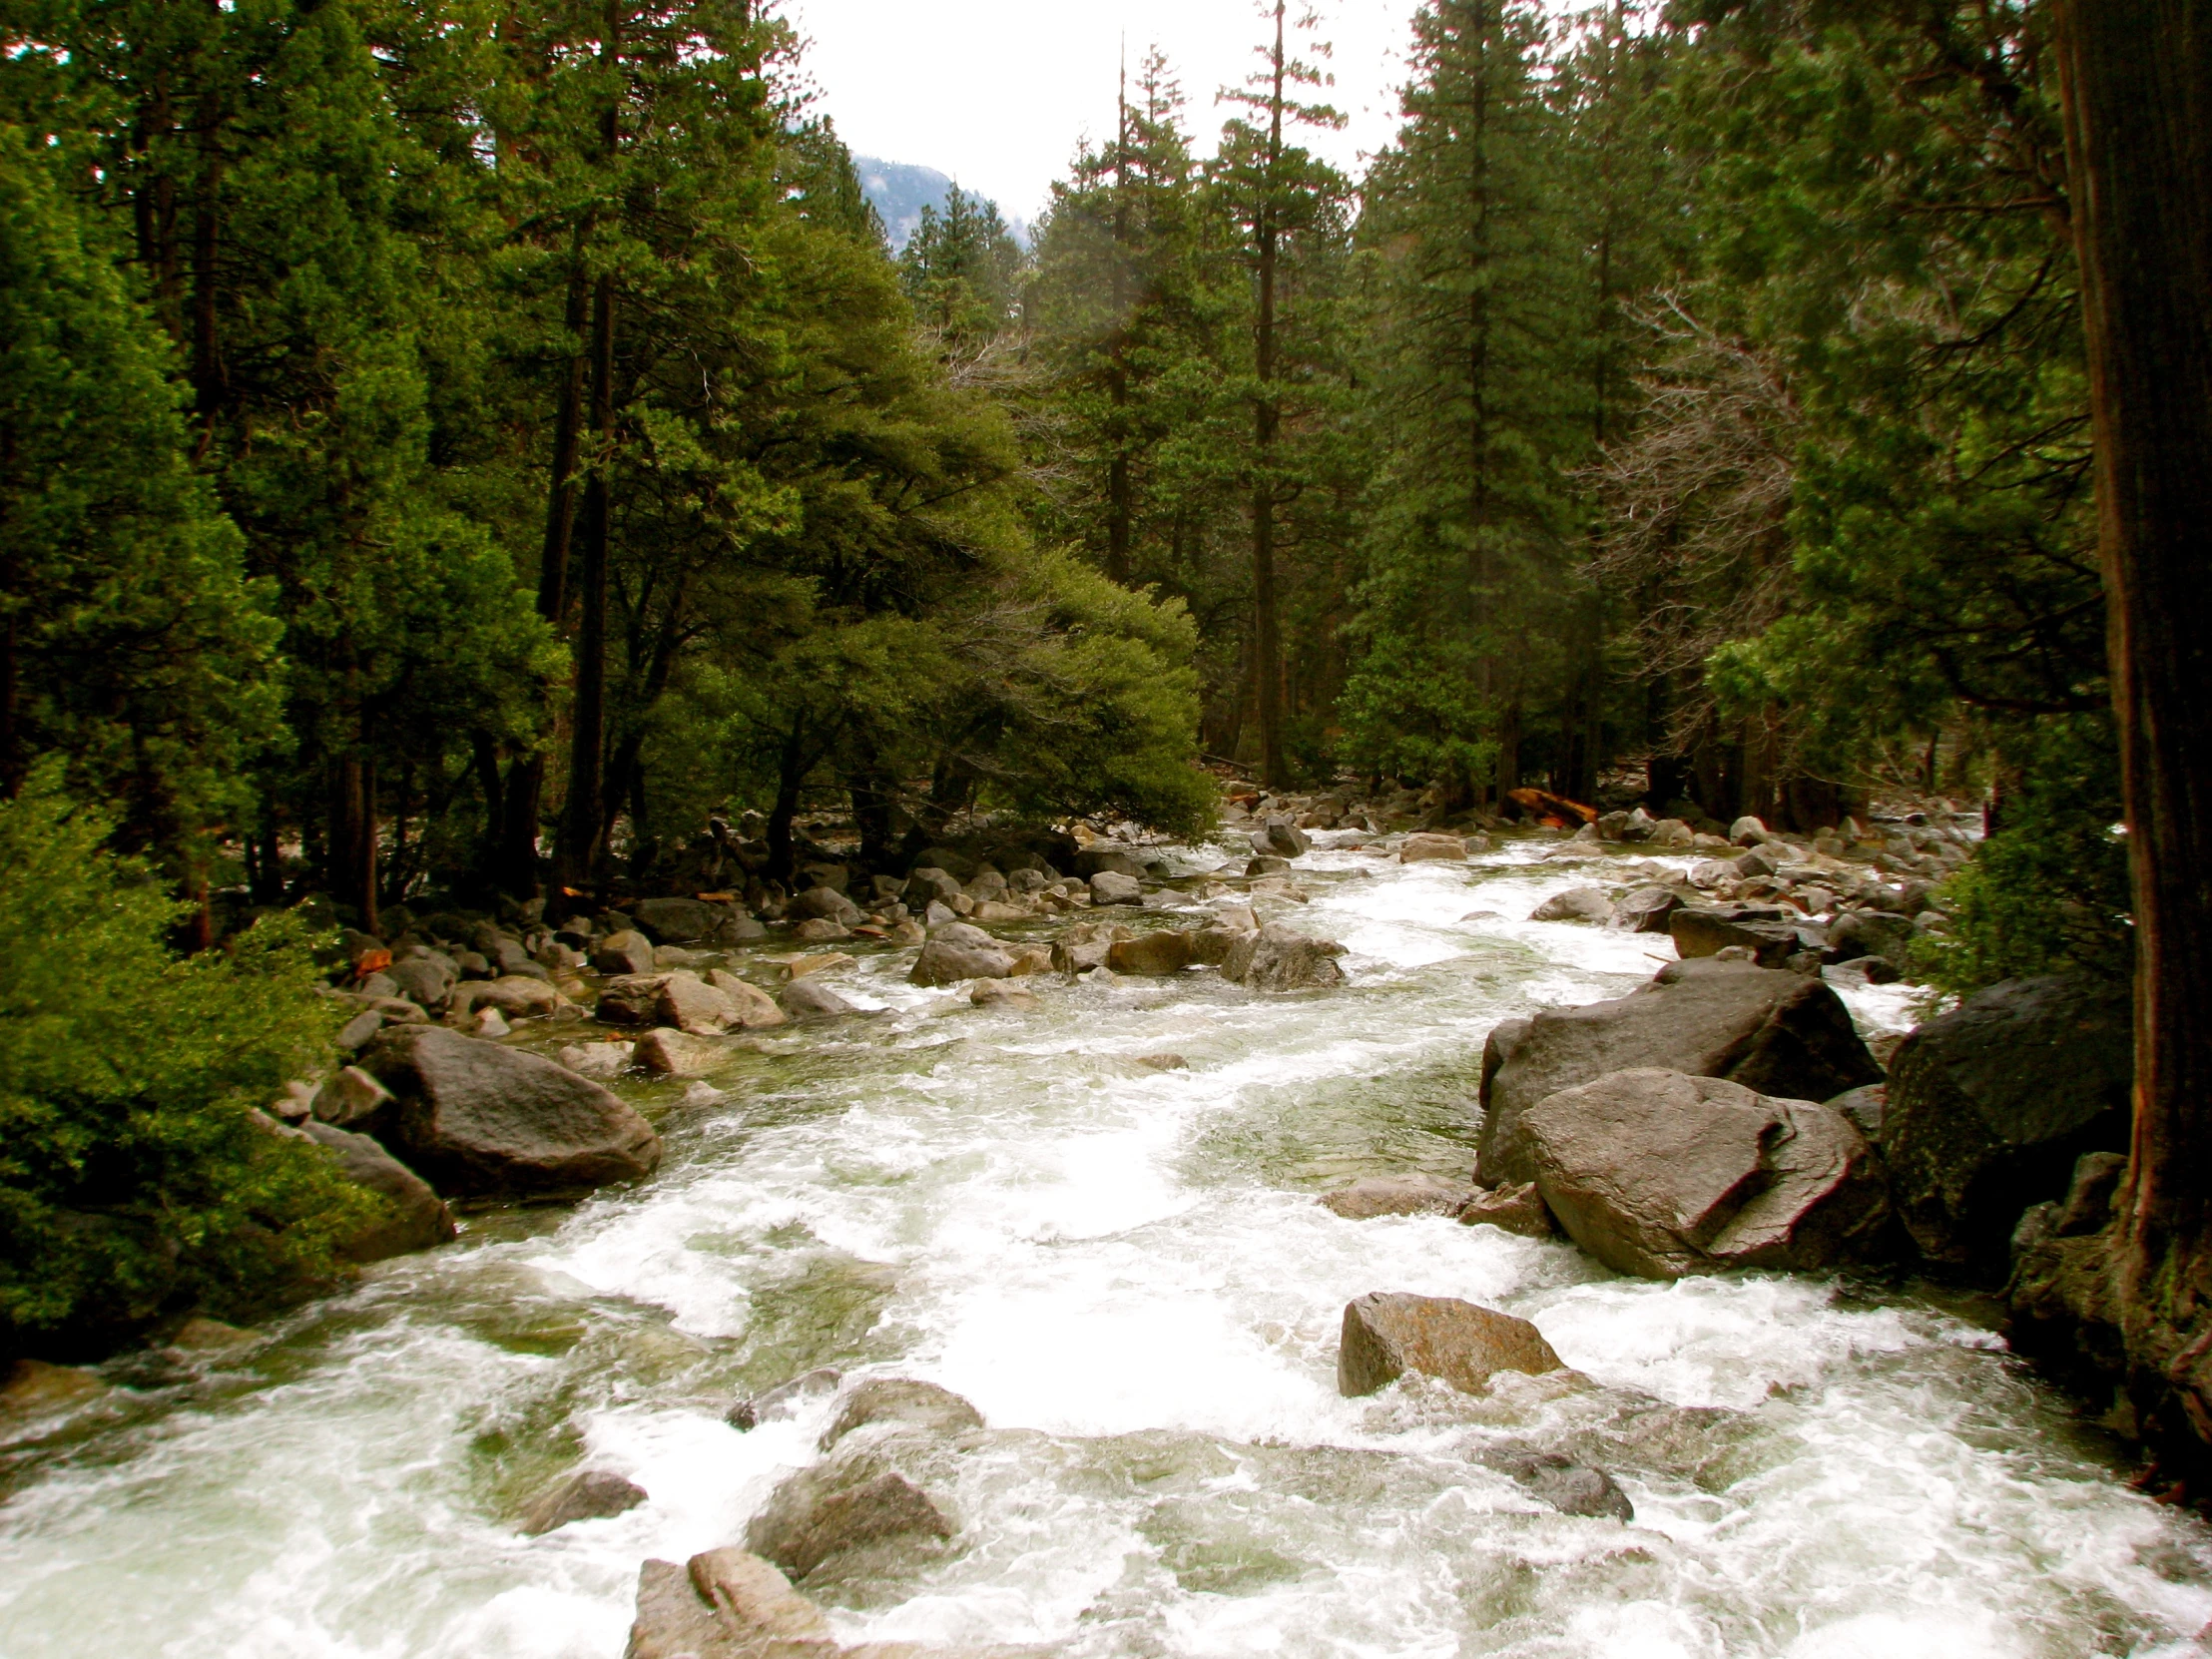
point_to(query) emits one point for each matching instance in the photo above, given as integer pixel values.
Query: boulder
(1866, 1107)
(1990, 1105)
(629, 1000)
(1660, 1175)
(904, 1400)
(476, 1118)
(1211, 944)
(952, 956)
(825, 904)
(928, 885)
(667, 1053)
(30, 1387)
(729, 1604)
(517, 997)
(626, 951)
(1111, 887)
(425, 981)
(1267, 864)
(1517, 1208)
(839, 1504)
(591, 1496)
(805, 999)
(1646, 911)
(1166, 952)
(1397, 1195)
(1763, 930)
(1387, 1333)
(676, 920)
(1856, 934)
(1779, 1033)
(1282, 837)
(689, 1004)
(1575, 904)
(750, 1007)
(1747, 831)
(416, 1218)
(986, 992)
(598, 1061)
(1110, 860)
(821, 930)
(350, 1096)
(1276, 959)
(1423, 849)
(1862, 972)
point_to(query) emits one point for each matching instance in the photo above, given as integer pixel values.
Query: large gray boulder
(473, 1117)
(851, 1499)
(1282, 837)
(1278, 959)
(676, 920)
(956, 952)
(1780, 1033)
(427, 981)
(1387, 1333)
(1660, 1175)
(1646, 911)
(1990, 1105)
(826, 904)
(415, 1217)
(1110, 886)
(1575, 904)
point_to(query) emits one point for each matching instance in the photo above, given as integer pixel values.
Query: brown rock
(667, 1053)
(591, 1496)
(350, 1096)
(1387, 1333)
(1278, 959)
(689, 1003)
(1418, 848)
(32, 1385)
(905, 1400)
(1515, 1209)
(1397, 1195)
(631, 1000)
(1659, 1174)
(838, 1505)
(749, 1006)
(1166, 952)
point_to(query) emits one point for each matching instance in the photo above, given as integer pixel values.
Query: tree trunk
(1266, 647)
(791, 778)
(2136, 84)
(585, 809)
(353, 844)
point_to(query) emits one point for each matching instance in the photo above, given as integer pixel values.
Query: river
(1124, 1269)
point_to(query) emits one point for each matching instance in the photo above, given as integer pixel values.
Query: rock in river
(1575, 904)
(957, 951)
(1990, 1105)
(592, 1495)
(1780, 1033)
(1660, 1175)
(1397, 1195)
(476, 1118)
(849, 1499)
(1387, 1333)
(417, 1218)
(1278, 959)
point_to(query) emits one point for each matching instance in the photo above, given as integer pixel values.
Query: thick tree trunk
(2137, 79)
(584, 812)
(791, 778)
(353, 842)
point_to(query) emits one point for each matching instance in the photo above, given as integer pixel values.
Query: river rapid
(1124, 1269)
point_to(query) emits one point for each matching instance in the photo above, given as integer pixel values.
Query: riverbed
(1121, 1263)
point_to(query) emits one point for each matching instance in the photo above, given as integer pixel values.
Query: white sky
(998, 92)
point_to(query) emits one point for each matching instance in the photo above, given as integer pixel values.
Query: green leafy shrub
(2048, 892)
(134, 1183)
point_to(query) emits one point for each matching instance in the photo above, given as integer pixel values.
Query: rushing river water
(1125, 1270)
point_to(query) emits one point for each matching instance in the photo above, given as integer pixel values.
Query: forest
(486, 461)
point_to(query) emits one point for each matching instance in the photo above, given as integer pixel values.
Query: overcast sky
(998, 92)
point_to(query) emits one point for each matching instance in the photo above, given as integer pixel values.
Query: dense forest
(452, 457)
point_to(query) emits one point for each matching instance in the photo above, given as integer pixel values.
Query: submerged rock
(811, 999)
(784, 1400)
(1780, 1033)
(591, 1496)
(1575, 904)
(1387, 1333)
(1278, 959)
(1660, 1175)
(1395, 1195)
(1570, 1488)
(726, 1605)
(903, 1400)
(841, 1504)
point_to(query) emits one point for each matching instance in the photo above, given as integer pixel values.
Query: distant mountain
(899, 191)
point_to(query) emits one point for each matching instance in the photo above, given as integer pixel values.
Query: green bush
(134, 1183)
(2048, 892)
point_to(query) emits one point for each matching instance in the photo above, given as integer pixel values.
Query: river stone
(1395, 1195)
(476, 1118)
(422, 980)
(785, 1398)
(905, 1400)
(32, 1386)
(1646, 911)
(676, 920)
(1111, 887)
(415, 1219)
(1423, 848)
(591, 1496)
(1163, 952)
(749, 1006)
(1387, 1333)
(517, 997)
(626, 951)
(1517, 1208)
(946, 962)
(1571, 1489)
(812, 999)
(1660, 1175)
(841, 1503)
(729, 1604)
(1575, 904)
(927, 886)
(689, 1004)
(350, 1096)
(825, 904)
(1707, 930)
(1990, 1105)
(1211, 944)
(1866, 1107)
(629, 1000)
(1278, 959)
(599, 1061)
(1279, 835)
(1267, 864)
(1780, 1033)
(1110, 860)
(667, 1053)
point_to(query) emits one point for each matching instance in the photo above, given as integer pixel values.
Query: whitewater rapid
(1124, 1269)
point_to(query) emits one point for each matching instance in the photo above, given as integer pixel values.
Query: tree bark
(2136, 85)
